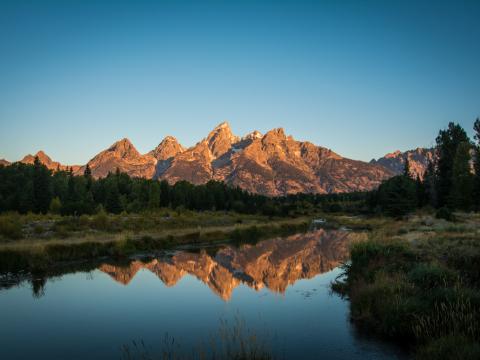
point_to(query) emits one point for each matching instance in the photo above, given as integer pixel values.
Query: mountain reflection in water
(274, 264)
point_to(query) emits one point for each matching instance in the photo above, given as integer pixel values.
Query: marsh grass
(420, 288)
(233, 340)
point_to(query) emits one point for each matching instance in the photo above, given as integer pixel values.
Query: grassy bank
(38, 242)
(417, 281)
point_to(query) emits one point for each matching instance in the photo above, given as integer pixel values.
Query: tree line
(34, 188)
(451, 181)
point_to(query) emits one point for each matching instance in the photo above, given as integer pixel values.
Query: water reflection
(274, 264)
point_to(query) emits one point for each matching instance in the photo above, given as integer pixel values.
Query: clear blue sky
(361, 77)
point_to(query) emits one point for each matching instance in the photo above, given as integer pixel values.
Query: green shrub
(11, 227)
(55, 206)
(444, 213)
(429, 276)
(38, 229)
(100, 221)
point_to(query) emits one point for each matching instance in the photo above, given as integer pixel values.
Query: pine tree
(476, 164)
(112, 201)
(462, 179)
(429, 183)
(87, 172)
(448, 141)
(406, 168)
(154, 195)
(42, 192)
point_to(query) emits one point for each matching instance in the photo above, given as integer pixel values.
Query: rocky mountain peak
(41, 154)
(221, 139)
(47, 161)
(42, 157)
(167, 148)
(253, 135)
(418, 161)
(394, 154)
(124, 156)
(274, 135)
(222, 125)
(124, 149)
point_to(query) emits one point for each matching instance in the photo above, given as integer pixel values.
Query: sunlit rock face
(168, 148)
(274, 264)
(418, 161)
(123, 156)
(272, 164)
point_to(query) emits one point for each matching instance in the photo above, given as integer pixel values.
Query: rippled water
(278, 288)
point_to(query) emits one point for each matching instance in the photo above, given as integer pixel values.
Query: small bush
(55, 206)
(444, 213)
(11, 227)
(100, 221)
(38, 229)
(429, 276)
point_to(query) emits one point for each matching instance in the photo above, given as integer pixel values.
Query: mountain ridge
(272, 164)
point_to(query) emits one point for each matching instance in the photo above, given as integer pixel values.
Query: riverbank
(417, 281)
(40, 241)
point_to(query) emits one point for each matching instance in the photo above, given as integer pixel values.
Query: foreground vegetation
(232, 341)
(417, 281)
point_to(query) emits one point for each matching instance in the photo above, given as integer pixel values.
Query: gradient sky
(361, 77)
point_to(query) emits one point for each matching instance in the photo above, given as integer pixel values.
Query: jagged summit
(274, 135)
(167, 148)
(222, 125)
(221, 139)
(394, 154)
(255, 134)
(124, 156)
(124, 148)
(44, 158)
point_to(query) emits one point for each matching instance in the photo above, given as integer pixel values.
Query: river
(186, 302)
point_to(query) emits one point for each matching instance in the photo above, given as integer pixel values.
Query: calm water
(279, 288)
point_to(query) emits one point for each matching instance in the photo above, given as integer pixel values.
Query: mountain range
(271, 164)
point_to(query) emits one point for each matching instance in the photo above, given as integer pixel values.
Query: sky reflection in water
(278, 287)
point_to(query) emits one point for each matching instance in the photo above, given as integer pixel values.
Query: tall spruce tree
(406, 168)
(430, 183)
(112, 199)
(462, 179)
(476, 165)
(87, 172)
(42, 192)
(448, 141)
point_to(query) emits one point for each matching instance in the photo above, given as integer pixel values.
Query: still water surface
(278, 288)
